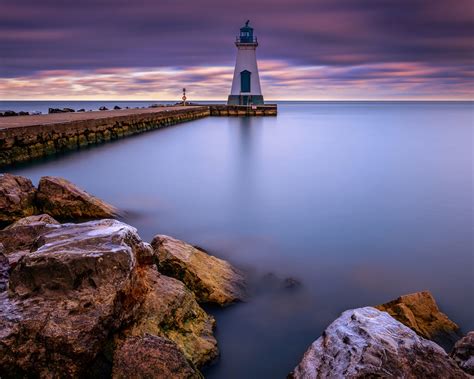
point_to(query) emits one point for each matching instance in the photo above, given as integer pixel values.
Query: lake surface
(360, 202)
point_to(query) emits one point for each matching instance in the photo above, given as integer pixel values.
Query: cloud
(280, 81)
(184, 37)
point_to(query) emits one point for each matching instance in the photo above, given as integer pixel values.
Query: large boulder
(212, 280)
(78, 285)
(170, 310)
(420, 313)
(17, 195)
(22, 234)
(366, 342)
(151, 357)
(63, 200)
(463, 353)
(83, 291)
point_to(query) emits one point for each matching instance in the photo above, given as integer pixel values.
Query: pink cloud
(280, 81)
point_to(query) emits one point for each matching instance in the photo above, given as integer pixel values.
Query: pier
(25, 138)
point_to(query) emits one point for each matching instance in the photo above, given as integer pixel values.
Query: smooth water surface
(361, 202)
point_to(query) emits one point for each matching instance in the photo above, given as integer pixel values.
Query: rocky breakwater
(369, 342)
(88, 300)
(26, 138)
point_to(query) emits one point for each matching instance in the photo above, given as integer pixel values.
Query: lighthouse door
(245, 81)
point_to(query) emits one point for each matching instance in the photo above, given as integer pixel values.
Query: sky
(308, 49)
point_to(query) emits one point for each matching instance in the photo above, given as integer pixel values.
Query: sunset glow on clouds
(279, 80)
(311, 49)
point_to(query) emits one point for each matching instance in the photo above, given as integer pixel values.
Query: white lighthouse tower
(246, 83)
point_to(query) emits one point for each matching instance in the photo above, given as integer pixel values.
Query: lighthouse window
(245, 81)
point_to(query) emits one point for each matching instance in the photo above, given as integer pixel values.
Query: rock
(270, 282)
(420, 312)
(36, 113)
(463, 353)
(81, 110)
(33, 220)
(103, 108)
(4, 269)
(58, 110)
(70, 256)
(151, 357)
(291, 283)
(82, 289)
(212, 280)
(61, 199)
(170, 310)
(23, 113)
(22, 234)
(67, 297)
(368, 343)
(17, 195)
(117, 107)
(8, 113)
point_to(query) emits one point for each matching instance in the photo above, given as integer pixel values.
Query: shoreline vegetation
(82, 295)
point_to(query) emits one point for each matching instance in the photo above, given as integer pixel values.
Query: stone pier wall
(32, 137)
(243, 110)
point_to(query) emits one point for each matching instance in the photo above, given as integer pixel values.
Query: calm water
(361, 202)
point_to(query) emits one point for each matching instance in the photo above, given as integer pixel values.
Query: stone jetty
(25, 138)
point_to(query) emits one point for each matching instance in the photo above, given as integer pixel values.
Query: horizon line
(267, 101)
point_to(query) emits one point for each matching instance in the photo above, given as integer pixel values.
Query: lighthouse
(246, 83)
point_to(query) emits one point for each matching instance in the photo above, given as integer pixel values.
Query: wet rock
(78, 285)
(117, 107)
(62, 199)
(22, 234)
(212, 280)
(170, 310)
(68, 110)
(151, 357)
(366, 342)
(81, 110)
(103, 108)
(420, 312)
(463, 353)
(17, 195)
(23, 113)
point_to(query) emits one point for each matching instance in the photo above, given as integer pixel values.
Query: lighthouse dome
(246, 34)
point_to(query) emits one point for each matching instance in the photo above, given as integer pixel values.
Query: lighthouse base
(245, 100)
